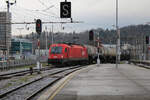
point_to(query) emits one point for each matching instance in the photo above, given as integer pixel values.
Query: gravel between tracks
(8, 84)
(26, 91)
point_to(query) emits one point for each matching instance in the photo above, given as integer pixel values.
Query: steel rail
(20, 73)
(51, 74)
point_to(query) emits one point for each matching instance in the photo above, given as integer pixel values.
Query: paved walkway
(105, 82)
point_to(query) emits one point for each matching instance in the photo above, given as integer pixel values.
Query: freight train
(107, 53)
(68, 54)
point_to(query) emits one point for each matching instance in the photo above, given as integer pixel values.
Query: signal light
(91, 35)
(38, 26)
(147, 39)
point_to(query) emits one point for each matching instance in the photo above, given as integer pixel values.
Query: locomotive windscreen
(56, 50)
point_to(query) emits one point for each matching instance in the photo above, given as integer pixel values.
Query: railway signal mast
(98, 47)
(38, 30)
(91, 35)
(91, 38)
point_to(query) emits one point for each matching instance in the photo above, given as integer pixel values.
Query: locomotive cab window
(56, 50)
(65, 49)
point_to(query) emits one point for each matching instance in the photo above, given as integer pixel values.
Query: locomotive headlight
(62, 56)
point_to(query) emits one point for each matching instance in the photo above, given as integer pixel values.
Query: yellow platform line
(59, 88)
(66, 81)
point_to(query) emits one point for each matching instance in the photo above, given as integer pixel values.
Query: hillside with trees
(129, 34)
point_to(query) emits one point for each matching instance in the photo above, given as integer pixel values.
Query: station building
(21, 46)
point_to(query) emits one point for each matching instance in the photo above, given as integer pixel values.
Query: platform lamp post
(118, 37)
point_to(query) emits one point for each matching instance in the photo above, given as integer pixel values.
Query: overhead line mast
(7, 39)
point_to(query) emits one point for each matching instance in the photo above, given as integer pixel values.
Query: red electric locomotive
(60, 54)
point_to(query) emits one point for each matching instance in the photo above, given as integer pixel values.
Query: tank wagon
(125, 52)
(92, 53)
(108, 53)
(68, 54)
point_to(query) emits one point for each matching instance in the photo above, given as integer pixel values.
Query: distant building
(5, 31)
(21, 46)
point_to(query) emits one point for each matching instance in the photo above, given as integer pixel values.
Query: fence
(18, 63)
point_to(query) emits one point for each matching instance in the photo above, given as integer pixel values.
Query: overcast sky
(94, 13)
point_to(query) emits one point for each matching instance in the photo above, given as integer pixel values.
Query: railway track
(20, 73)
(142, 64)
(29, 90)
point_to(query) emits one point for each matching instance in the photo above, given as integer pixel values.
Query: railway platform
(106, 82)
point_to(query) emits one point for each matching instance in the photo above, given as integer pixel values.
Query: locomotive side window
(65, 49)
(56, 50)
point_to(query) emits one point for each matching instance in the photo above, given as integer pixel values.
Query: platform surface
(105, 82)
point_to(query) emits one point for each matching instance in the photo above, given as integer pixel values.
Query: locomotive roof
(59, 44)
(68, 45)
